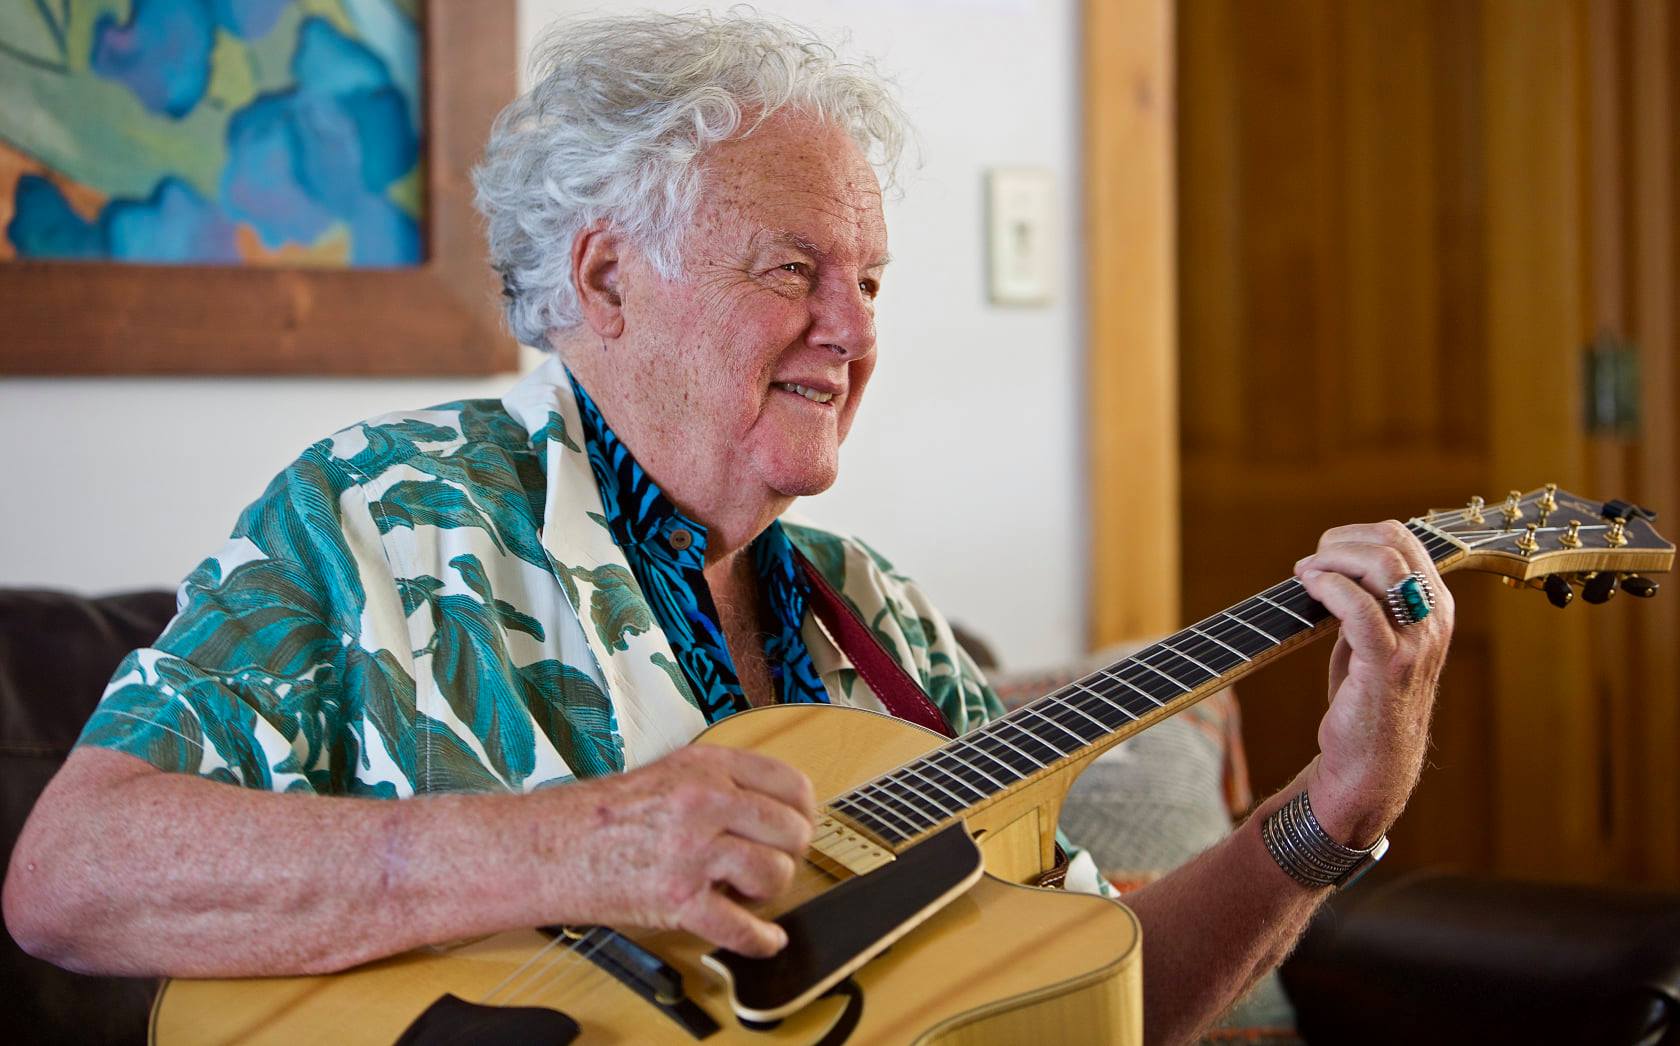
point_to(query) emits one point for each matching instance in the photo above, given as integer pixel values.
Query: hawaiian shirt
(667, 553)
(436, 601)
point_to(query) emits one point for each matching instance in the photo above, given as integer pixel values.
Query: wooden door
(1399, 224)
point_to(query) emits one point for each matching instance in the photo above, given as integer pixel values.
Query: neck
(721, 495)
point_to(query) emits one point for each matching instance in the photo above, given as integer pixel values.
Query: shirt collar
(637, 511)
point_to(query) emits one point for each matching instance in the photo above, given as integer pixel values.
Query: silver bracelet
(1304, 850)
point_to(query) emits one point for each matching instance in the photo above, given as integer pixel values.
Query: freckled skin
(780, 267)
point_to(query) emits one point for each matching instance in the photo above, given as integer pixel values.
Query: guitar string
(1193, 643)
(1064, 713)
(481, 1021)
(1058, 701)
(1066, 695)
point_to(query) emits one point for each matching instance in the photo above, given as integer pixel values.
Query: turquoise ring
(1410, 600)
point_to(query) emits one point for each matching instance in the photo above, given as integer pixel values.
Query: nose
(842, 319)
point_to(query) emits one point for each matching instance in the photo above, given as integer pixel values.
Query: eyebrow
(771, 238)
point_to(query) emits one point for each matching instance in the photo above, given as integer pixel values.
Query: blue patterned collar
(666, 551)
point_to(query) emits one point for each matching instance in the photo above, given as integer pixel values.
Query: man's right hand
(673, 844)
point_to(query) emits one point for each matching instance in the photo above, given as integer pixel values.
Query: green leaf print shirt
(432, 602)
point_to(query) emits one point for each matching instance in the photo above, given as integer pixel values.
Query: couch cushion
(57, 652)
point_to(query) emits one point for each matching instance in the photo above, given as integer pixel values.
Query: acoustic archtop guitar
(909, 921)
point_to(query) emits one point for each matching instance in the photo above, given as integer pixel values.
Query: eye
(870, 288)
(798, 268)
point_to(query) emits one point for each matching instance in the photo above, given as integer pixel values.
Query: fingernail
(1309, 575)
(778, 937)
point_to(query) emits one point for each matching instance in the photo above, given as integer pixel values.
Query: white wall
(964, 466)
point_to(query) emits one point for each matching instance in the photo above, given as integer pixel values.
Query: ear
(595, 253)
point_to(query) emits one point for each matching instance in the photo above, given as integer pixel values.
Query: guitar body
(1001, 963)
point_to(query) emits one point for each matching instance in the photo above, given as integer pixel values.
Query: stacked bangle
(1303, 849)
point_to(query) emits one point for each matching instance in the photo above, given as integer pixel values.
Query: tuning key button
(1599, 587)
(1635, 585)
(1558, 591)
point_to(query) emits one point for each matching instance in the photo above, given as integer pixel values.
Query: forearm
(131, 871)
(1214, 925)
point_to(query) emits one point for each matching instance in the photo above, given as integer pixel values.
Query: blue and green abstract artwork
(212, 132)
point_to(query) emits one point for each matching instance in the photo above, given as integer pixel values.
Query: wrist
(1345, 815)
(1304, 851)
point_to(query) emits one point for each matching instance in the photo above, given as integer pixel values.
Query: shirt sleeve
(248, 683)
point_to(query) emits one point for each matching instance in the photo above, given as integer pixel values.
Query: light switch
(1020, 209)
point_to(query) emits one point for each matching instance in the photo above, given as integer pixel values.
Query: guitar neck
(1074, 724)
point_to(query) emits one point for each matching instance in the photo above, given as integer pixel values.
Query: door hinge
(1610, 386)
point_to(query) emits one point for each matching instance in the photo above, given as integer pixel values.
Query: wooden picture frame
(436, 318)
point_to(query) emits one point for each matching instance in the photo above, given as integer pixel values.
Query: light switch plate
(1020, 212)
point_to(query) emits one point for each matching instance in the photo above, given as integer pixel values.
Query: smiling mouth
(801, 390)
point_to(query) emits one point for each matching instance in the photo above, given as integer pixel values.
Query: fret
(869, 822)
(861, 795)
(1245, 639)
(1276, 620)
(981, 783)
(911, 769)
(904, 812)
(967, 744)
(893, 780)
(1163, 675)
(1286, 610)
(1076, 710)
(1122, 680)
(1213, 639)
(1106, 703)
(1267, 636)
(1188, 671)
(1212, 672)
(931, 762)
(995, 729)
(1080, 740)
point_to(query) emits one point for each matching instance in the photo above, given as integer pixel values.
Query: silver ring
(1410, 600)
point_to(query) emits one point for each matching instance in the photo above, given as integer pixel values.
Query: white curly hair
(620, 110)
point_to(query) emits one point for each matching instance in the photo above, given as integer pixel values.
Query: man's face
(777, 288)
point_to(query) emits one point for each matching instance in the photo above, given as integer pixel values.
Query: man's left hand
(1373, 739)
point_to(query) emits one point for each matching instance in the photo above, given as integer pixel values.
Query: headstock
(1551, 539)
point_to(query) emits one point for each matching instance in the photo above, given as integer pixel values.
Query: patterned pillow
(1156, 800)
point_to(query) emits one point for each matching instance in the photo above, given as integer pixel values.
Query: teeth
(811, 394)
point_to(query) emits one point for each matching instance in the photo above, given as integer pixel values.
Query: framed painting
(248, 186)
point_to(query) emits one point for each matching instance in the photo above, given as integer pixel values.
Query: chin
(804, 476)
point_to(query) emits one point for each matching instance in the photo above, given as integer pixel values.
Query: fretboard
(1092, 712)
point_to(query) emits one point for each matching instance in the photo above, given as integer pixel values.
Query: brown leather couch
(1422, 958)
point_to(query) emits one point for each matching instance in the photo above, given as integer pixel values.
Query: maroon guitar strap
(895, 687)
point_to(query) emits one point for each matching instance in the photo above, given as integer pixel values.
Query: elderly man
(474, 601)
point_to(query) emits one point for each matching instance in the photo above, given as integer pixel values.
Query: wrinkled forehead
(793, 182)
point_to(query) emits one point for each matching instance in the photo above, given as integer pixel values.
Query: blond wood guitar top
(1002, 963)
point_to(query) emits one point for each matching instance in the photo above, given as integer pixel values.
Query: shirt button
(680, 539)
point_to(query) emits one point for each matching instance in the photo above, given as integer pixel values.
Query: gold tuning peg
(1512, 509)
(1548, 501)
(1527, 544)
(1614, 537)
(1473, 513)
(1573, 538)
